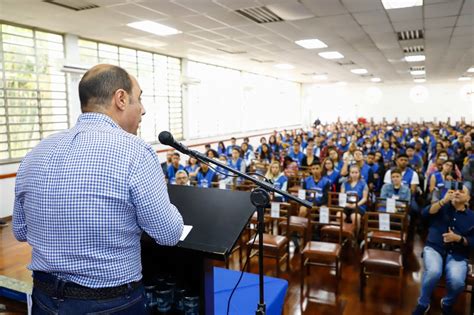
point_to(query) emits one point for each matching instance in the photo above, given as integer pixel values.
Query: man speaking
(83, 198)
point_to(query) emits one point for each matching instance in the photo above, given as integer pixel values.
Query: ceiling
(362, 30)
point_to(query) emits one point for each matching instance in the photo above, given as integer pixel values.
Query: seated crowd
(429, 166)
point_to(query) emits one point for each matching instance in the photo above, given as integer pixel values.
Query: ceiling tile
(371, 17)
(465, 20)
(324, 7)
(166, 7)
(441, 22)
(405, 14)
(443, 9)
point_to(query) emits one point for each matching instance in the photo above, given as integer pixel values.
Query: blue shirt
(83, 198)
(460, 222)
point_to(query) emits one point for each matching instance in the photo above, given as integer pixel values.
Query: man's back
(84, 196)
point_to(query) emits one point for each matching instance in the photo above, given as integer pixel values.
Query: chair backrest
(321, 216)
(281, 214)
(401, 206)
(386, 222)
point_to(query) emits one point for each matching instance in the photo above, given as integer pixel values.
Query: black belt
(56, 287)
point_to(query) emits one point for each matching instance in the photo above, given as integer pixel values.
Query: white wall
(408, 102)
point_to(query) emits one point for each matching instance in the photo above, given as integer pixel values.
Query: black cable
(241, 273)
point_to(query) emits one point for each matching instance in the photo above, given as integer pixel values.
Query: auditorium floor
(382, 294)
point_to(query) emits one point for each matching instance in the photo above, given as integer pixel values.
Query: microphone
(166, 137)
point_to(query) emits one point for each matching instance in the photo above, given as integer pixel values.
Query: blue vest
(357, 189)
(318, 187)
(387, 155)
(172, 172)
(333, 177)
(364, 172)
(278, 183)
(297, 157)
(191, 169)
(236, 165)
(440, 184)
(407, 177)
(205, 180)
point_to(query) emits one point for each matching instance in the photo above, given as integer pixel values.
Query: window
(225, 101)
(33, 94)
(159, 78)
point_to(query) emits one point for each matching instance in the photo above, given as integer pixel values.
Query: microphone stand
(260, 198)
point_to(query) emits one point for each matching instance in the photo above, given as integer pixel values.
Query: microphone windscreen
(166, 137)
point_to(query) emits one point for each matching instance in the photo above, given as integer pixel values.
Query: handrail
(5, 176)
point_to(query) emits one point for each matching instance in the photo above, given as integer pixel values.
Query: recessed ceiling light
(154, 28)
(284, 66)
(470, 69)
(398, 4)
(145, 42)
(464, 79)
(376, 79)
(419, 80)
(417, 72)
(311, 43)
(359, 71)
(341, 83)
(331, 55)
(320, 77)
(415, 58)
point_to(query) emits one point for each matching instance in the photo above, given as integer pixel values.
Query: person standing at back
(84, 196)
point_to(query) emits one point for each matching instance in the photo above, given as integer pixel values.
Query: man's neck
(317, 177)
(397, 186)
(459, 206)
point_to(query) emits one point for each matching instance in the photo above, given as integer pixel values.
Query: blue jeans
(455, 274)
(132, 303)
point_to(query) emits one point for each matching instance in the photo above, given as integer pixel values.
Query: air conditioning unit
(74, 69)
(189, 81)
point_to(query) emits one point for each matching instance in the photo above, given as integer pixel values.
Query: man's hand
(451, 237)
(448, 197)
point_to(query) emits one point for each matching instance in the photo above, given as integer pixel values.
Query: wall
(408, 102)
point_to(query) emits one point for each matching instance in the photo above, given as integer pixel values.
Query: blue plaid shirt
(83, 198)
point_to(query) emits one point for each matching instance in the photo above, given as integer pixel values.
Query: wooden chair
(379, 261)
(349, 230)
(393, 238)
(321, 253)
(274, 246)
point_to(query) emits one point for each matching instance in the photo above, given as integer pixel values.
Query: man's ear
(120, 99)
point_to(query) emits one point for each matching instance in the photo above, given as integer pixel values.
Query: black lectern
(218, 217)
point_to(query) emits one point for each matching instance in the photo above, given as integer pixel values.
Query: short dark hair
(176, 154)
(396, 170)
(316, 163)
(99, 84)
(371, 153)
(402, 155)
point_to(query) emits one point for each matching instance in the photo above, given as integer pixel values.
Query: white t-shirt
(388, 178)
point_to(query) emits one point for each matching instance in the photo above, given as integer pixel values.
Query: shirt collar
(97, 118)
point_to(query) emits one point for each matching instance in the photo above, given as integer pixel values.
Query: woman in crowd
(221, 149)
(278, 178)
(192, 168)
(331, 173)
(355, 186)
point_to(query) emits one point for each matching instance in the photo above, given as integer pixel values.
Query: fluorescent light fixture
(415, 58)
(341, 83)
(154, 28)
(331, 55)
(145, 42)
(417, 72)
(284, 66)
(470, 69)
(320, 77)
(376, 79)
(419, 80)
(464, 79)
(359, 71)
(398, 4)
(311, 43)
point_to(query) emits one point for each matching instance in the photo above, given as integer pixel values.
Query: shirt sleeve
(19, 226)
(148, 192)
(387, 179)
(19, 220)
(415, 180)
